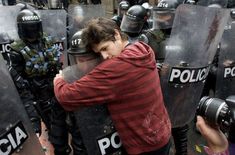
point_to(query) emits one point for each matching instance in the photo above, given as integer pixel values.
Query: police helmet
(148, 8)
(117, 20)
(134, 19)
(192, 2)
(123, 7)
(29, 26)
(78, 51)
(232, 13)
(164, 13)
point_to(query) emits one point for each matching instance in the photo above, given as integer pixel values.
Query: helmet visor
(32, 31)
(163, 19)
(77, 59)
(131, 25)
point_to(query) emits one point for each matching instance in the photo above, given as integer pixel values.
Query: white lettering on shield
(229, 72)
(109, 143)
(188, 75)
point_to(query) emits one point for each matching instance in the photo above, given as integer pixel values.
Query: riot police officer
(163, 17)
(134, 22)
(122, 9)
(37, 61)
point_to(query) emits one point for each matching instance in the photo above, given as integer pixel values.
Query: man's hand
(216, 140)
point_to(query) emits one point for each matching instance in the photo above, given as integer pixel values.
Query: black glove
(36, 122)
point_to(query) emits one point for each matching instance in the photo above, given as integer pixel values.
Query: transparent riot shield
(225, 79)
(95, 124)
(192, 45)
(53, 22)
(16, 132)
(54, 25)
(79, 14)
(8, 16)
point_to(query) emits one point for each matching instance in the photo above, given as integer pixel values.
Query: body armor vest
(39, 62)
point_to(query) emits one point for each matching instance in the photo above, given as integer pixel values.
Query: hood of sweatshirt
(139, 54)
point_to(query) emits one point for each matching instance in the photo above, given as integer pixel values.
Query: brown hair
(99, 30)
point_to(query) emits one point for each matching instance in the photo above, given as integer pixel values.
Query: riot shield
(17, 135)
(79, 14)
(225, 79)
(54, 25)
(95, 124)
(5, 42)
(8, 16)
(189, 51)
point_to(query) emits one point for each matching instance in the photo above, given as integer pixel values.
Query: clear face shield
(80, 65)
(84, 62)
(131, 25)
(163, 19)
(31, 31)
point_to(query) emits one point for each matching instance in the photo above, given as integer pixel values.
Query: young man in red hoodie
(128, 82)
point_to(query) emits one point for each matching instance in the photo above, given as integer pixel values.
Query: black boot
(180, 139)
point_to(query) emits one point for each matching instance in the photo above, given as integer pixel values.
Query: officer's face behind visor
(32, 31)
(131, 25)
(163, 19)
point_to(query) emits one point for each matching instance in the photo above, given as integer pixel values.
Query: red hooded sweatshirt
(129, 85)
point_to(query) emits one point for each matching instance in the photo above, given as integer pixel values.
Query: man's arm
(94, 88)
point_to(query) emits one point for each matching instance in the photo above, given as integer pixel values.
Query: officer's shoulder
(17, 45)
(158, 35)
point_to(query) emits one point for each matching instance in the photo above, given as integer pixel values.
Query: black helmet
(148, 8)
(29, 25)
(123, 7)
(134, 19)
(192, 2)
(117, 20)
(232, 13)
(164, 13)
(78, 49)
